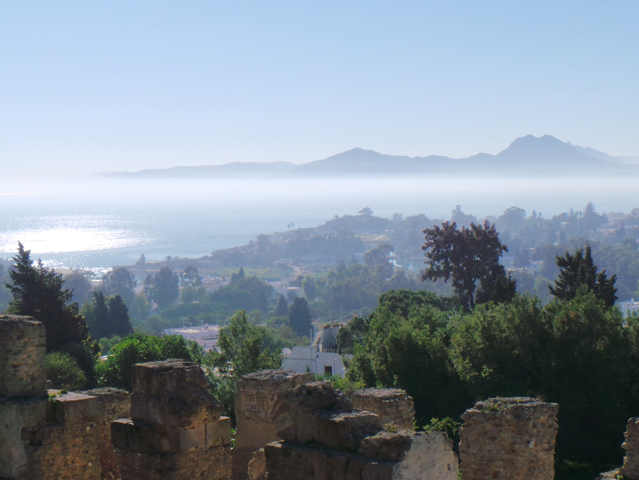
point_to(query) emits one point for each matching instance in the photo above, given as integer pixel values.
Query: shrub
(116, 370)
(64, 372)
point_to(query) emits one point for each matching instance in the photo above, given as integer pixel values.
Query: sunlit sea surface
(91, 225)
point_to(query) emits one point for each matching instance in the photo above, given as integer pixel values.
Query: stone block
(430, 457)
(506, 438)
(340, 431)
(257, 466)
(139, 437)
(204, 463)
(393, 406)
(218, 433)
(258, 397)
(18, 419)
(286, 461)
(72, 408)
(630, 467)
(172, 393)
(22, 357)
(191, 438)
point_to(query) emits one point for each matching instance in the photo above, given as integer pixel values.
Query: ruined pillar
(508, 438)
(630, 467)
(175, 429)
(257, 398)
(22, 357)
(40, 437)
(394, 407)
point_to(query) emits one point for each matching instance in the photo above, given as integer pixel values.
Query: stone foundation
(176, 430)
(393, 406)
(509, 438)
(257, 398)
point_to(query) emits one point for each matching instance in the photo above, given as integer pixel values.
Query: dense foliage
(576, 352)
(116, 370)
(469, 257)
(64, 372)
(244, 348)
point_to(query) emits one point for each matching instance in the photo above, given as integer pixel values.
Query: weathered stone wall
(22, 356)
(509, 438)
(630, 467)
(113, 404)
(176, 430)
(323, 437)
(257, 398)
(67, 447)
(393, 406)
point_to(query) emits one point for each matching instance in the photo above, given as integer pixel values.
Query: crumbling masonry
(289, 427)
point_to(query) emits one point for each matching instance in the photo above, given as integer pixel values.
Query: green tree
(164, 287)
(77, 282)
(578, 273)
(300, 316)
(116, 370)
(241, 351)
(39, 292)
(282, 308)
(377, 260)
(64, 372)
(236, 277)
(119, 282)
(191, 277)
(107, 317)
(468, 256)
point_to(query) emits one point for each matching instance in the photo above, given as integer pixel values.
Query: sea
(95, 225)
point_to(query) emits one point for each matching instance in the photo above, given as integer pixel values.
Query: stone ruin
(508, 438)
(393, 406)
(175, 429)
(323, 436)
(55, 436)
(630, 467)
(289, 427)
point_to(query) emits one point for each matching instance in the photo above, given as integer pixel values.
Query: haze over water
(95, 225)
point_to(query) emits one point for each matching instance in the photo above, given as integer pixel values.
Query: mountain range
(526, 156)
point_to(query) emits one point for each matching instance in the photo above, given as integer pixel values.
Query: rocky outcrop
(508, 438)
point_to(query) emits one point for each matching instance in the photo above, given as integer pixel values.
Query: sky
(129, 85)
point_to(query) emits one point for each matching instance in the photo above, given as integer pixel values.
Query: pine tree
(282, 308)
(119, 317)
(300, 316)
(578, 272)
(38, 292)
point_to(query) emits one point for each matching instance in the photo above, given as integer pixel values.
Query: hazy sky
(89, 86)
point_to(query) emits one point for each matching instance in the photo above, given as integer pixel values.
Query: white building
(205, 335)
(320, 358)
